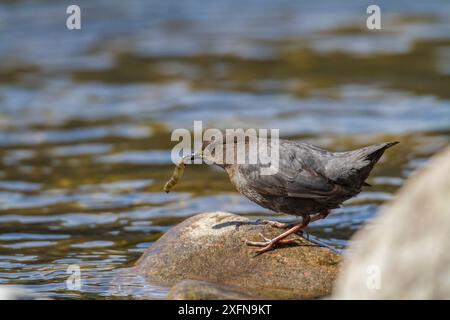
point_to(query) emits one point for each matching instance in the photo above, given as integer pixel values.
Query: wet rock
(210, 247)
(202, 290)
(405, 252)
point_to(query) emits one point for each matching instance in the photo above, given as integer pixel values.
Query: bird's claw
(281, 225)
(259, 243)
(268, 244)
(274, 224)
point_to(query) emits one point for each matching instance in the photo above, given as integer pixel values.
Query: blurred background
(86, 116)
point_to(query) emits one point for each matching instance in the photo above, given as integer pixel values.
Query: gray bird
(309, 182)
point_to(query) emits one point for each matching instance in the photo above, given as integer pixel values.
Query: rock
(210, 247)
(405, 252)
(202, 290)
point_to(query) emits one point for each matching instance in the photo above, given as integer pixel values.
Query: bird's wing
(301, 184)
(294, 178)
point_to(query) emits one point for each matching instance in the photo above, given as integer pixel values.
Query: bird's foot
(274, 224)
(269, 244)
(277, 224)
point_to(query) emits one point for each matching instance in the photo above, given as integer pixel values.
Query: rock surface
(405, 252)
(210, 247)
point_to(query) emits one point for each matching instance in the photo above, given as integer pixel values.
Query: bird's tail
(355, 166)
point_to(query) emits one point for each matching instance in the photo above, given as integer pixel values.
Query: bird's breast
(242, 186)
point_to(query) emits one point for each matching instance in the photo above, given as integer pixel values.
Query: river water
(86, 117)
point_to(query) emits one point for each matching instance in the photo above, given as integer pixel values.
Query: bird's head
(224, 150)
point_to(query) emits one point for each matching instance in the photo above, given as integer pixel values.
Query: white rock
(405, 252)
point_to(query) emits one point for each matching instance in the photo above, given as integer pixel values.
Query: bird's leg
(269, 244)
(277, 224)
(281, 225)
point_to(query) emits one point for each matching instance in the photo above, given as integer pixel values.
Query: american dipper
(309, 181)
